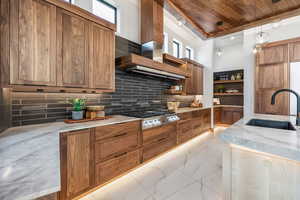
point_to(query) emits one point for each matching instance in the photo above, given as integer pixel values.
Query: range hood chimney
(152, 37)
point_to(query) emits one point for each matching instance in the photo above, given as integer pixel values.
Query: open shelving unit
(223, 79)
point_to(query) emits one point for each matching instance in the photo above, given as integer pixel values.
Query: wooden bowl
(95, 108)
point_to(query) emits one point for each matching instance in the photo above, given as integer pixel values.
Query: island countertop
(30, 158)
(283, 143)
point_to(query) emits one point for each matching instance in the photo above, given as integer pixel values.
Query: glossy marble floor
(193, 171)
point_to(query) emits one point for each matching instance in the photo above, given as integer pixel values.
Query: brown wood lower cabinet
(161, 146)
(93, 157)
(193, 124)
(115, 146)
(159, 140)
(110, 169)
(77, 163)
(185, 131)
(227, 115)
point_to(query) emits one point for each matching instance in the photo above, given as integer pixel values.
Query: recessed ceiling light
(181, 22)
(219, 23)
(276, 24)
(232, 38)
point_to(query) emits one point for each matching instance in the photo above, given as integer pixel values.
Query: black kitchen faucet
(298, 102)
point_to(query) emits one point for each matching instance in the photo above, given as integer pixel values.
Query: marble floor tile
(192, 171)
(195, 191)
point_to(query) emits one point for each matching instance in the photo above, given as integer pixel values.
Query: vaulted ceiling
(212, 18)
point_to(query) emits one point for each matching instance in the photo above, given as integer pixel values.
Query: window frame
(166, 43)
(178, 44)
(111, 6)
(191, 52)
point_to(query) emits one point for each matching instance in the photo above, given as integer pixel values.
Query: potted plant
(221, 89)
(78, 107)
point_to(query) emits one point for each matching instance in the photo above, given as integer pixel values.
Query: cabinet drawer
(105, 149)
(198, 126)
(109, 131)
(185, 116)
(185, 131)
(155, 134)
(152, 150)
(110, 169)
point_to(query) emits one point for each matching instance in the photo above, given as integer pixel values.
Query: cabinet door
(72, 50)
(102, 60)
(272, 55)
(237, 115)
(198, 80)
(185, 131)
(295, 52)
(271, 78)
(227, 116)
(189, 84)
(217, 115)
(77, 163)
(32, 42)
(194, 84)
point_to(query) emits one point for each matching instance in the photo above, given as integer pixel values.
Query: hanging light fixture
(219, 52)
(256, 49)
(262, 37)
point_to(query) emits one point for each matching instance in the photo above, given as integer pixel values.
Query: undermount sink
(284, 125)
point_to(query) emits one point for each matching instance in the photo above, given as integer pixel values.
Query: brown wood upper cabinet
(273, 55)
(73, 50)
(295, 52)
(272, 74)
(102, 44)
(194, 84)
(55, 45)
(32, 42)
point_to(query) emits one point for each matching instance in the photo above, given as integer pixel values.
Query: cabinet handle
(120, 135)
(162, 139)
(119, 155)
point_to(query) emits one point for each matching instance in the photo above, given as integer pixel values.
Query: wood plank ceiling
(212, 18)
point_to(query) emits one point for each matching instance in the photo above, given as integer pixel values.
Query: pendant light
(219, 52)
(262, 37)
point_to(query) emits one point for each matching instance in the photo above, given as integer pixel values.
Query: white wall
(129, 17)
(181, 33)
(205, 53)
(289, 29)
(231, 59)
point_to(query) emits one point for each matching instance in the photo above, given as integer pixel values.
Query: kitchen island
(261, 163)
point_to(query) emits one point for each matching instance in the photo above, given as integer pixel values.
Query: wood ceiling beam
(285, 15)
(169, 5)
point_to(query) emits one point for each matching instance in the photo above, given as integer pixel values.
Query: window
(70, 1)
(176, 49)
(105, 10)
(189, 53)
(166, 43)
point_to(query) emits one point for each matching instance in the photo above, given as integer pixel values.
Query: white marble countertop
(190, 109)
(283, 143)
(230, 106)
(30, 159)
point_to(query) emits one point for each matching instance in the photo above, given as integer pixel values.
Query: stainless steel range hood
(154, 72)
